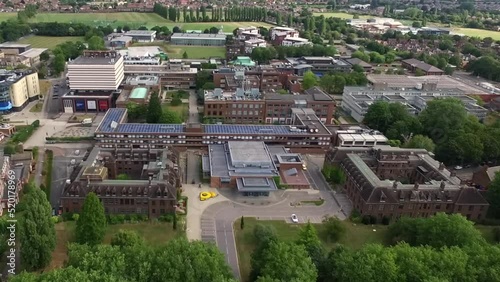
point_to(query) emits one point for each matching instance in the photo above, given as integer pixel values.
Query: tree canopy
(91, 225)
(309, 80)
(154, 112)
(37, 236)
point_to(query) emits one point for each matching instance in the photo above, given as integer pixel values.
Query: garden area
(22, 134)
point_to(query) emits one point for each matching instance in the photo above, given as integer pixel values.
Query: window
(381, 207)
(471, 208)
(370, 207)
(438, 207)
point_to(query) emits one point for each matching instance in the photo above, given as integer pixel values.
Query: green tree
(263, 236)
(126, 238)
(308, 237)
(422, 142)
(378, 116)
(45, 56)
(96, 43)
(185, 55)
(419, 72)
(154, 113)
(91, 225)
(37, 233)
(493, 196)
(242, 222)
(170, 117)
(287, 262)
(334, 229)
(59, 63)
(310, 80)
(123, 176)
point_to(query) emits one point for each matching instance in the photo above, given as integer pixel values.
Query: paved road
(53, 103)
(217, 220)
(193, 108)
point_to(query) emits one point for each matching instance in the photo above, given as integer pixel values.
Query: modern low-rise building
(141, 35)
(386, 182)
(17, 89)
(318, 65)
(248, 33)
(414, 65)
(151, 190)
(253, 168)
(295, 41)
(96, 70)
(356, 136)
(250, 106)
(306, 134)
(198, 39)
(251, 44)
(175, 74)
(121, 41)
(357, 100)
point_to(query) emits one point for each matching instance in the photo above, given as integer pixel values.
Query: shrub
(75, 217)
(366, 220)
(386, 220)
(67, 216)
(9, 149)
(55, 219)
(496, 234)
(166, 218)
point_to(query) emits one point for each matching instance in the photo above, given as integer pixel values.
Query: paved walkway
(194, 116)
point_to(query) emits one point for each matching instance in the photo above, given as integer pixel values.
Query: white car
(295, 219)
(458, 167)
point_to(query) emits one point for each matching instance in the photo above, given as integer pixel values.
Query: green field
(47, 41)
(481, 33)
(132, 19)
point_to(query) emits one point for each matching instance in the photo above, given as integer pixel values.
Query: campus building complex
(198, 39)
(151, 190)
(318, 65)
(391, 182)
(305, 134)
(253, 168)
(251, 106)
(17, 88)
(175, 74)
(357, 100)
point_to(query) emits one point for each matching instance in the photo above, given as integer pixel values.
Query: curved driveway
(217, 220)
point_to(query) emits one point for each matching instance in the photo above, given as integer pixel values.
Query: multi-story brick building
(152, 190)
(251, 106)
(264, 78)
(391, 182)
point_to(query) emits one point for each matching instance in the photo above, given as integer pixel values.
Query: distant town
(257, 141)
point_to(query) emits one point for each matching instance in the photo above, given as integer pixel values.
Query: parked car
(458, 167)
(295, 219)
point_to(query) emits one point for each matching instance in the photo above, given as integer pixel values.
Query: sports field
(47, 41)
(481, 33)
(132, 19)
(195, 52)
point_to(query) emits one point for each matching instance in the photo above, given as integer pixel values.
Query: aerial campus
(251, 141)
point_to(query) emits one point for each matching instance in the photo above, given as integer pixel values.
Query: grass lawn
(356, 236)
(49, 42)
(478, 32)
(153, 233)
(182, 110)
(37, 107)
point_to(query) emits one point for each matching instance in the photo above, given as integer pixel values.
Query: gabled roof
(422, 65)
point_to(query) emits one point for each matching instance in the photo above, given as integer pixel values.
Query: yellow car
(207, 195)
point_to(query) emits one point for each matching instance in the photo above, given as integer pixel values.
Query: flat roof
(249, 153)
(197, 36)
(255, 184)
(33, 52)
(116, 115)
(83, 60)
(140, 32)
(250, 129)
(13, 45)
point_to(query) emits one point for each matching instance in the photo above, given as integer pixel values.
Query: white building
(295, 41)
(279, 31)
(246, 33)
(142, 35)
(254, 43)
(96, 70)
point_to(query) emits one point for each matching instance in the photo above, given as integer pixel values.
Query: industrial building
(357, 100)
(253, 168)
(306, 134)
(386, 182)
(198, 39)
(151, 189)
(17, 89)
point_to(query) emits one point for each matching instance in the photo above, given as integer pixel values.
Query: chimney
(441, 166)
(442, 186)
(415, 187)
